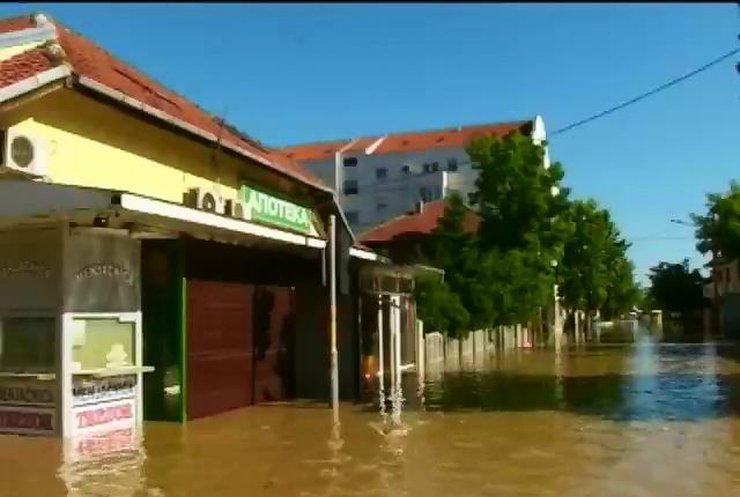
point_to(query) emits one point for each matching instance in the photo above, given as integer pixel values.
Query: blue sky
(293, 73)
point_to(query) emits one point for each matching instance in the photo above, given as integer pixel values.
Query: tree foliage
(596, 273)
(675, 287)
(718, 229)
(504, 273)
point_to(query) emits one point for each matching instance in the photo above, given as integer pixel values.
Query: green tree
(718, 229)
(596, 273)
(439, 308)
(521, 205)
(451, 305)
(675, 287)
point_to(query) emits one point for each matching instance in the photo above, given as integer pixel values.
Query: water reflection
(645, 381)
(108, 465)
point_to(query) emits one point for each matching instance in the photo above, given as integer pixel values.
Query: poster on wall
(27, 420)
(27, 393)
(108, 416)
(92, 391)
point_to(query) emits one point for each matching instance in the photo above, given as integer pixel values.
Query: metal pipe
(397, 320)
(381, 362)
(333, 316)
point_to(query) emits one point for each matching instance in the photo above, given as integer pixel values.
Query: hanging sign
(266, 209)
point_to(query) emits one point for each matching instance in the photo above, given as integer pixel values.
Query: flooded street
(633, 420)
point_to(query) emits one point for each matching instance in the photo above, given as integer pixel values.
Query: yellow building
(174, 252)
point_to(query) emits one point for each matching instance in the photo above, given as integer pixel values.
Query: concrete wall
(471, 352)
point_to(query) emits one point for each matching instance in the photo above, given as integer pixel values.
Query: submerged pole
(381, 362)
(333, 316)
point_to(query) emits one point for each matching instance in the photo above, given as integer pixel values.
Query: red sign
(104, 415)
(27, 420)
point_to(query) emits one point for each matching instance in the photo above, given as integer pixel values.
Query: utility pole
(333, 316)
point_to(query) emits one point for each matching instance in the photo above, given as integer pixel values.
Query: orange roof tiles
(16, 24)
(408, 142)
(24, 65)
(422, 222)
(91, 61)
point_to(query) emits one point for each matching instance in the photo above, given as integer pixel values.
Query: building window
(381, 173)
(406, 170)
(452, 164)
(427, 167)
(352, 217)
(435, 166)
(350, 162)
(350, 187)
(471, 198)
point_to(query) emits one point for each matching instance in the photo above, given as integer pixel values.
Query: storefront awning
(23, 202)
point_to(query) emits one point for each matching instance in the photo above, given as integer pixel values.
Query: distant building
(380, 177)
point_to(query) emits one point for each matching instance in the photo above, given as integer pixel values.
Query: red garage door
(219, 347)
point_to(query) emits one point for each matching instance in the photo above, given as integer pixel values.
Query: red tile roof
(416, 223)
(24, 65)
(91, 61)
(16, 24)
(409, 142)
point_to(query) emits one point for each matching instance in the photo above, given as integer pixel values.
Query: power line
(645, 95)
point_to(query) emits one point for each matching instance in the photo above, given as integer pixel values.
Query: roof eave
(109, 92)
(28, 35)
(35, 82)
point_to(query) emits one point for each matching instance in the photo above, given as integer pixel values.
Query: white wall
(400, 192)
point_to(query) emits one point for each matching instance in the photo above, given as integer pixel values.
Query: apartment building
(380, 177)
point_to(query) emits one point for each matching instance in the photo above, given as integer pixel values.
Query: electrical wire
(649, 93)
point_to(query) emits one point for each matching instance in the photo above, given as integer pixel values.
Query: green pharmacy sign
(264, 208)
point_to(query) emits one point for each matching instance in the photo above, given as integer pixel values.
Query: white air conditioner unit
(234, 208)
(24, 153)
(205, 200)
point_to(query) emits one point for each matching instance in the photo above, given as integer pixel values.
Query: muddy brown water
(637, 420)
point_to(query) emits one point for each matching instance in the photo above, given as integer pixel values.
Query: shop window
(452, 164)
(27, 344)
(102, 343)
(381, 173)
(350, 162)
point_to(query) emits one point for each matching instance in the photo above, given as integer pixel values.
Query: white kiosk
(70, 331)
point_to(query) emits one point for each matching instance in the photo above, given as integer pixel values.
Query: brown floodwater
(633, 420)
